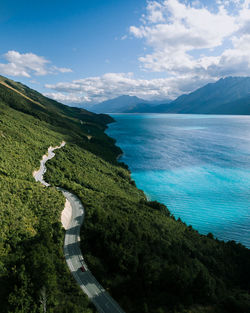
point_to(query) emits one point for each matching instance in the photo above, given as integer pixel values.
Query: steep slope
(148, 261)
(48, 105)
(237, 107)
(32, 265)
(227, 96)
(75, 122)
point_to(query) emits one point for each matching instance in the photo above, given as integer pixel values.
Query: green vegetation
(147, 260)
(32, 263)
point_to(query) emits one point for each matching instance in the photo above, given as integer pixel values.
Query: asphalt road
(38, 175)
(97, 294)
(102, 300)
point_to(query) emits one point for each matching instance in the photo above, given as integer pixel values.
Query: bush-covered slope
(146, 259)
(31, 237)
(149, 261)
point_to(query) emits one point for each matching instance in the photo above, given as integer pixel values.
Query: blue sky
(82, 35)
(88, 51)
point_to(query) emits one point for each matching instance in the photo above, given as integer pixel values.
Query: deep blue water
(198, 165)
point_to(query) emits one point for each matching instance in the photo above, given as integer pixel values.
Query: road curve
(97, 294)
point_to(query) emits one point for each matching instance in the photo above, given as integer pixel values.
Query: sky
(83, 51)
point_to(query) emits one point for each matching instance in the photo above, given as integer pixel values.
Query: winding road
(87, 282)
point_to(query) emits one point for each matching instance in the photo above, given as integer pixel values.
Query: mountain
(116, 105)
(229, 95)
(125, 104)
(145, 107)
(147, 259)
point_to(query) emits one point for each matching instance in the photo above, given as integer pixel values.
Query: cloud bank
(110, 85)
(190, 43)
(28, 64)
(190, 39)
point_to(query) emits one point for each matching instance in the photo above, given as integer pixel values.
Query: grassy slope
(146, 259)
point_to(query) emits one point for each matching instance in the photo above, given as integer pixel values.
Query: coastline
(119, 155)
(144, 223)
(185, 211)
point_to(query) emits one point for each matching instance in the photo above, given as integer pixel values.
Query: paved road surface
(102, 300)
(38, 175)
(97, 294)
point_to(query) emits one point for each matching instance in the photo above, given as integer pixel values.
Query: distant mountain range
(126, 104)
(229, 95)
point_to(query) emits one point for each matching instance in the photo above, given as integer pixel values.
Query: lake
(197, 165)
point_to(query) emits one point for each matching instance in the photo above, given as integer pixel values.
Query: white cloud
(190, 39)
(27, 64)
(61, 69)
(191, 43)
(67, 98)
(110, 85)
(155, 13)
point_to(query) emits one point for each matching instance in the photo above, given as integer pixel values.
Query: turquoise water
(198, 165)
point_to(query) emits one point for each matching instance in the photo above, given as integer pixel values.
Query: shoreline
(201, 231)
(119, 155)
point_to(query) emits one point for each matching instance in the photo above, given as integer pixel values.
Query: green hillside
(31, 237)
(148, 261)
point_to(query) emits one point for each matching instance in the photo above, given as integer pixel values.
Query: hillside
(230, 95)
(31, 237)
(147, 260)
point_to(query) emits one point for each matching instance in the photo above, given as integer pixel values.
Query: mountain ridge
(213, 98)
(125, 104)
(230, 95)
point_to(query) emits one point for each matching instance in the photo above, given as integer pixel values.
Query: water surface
(198, 165)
